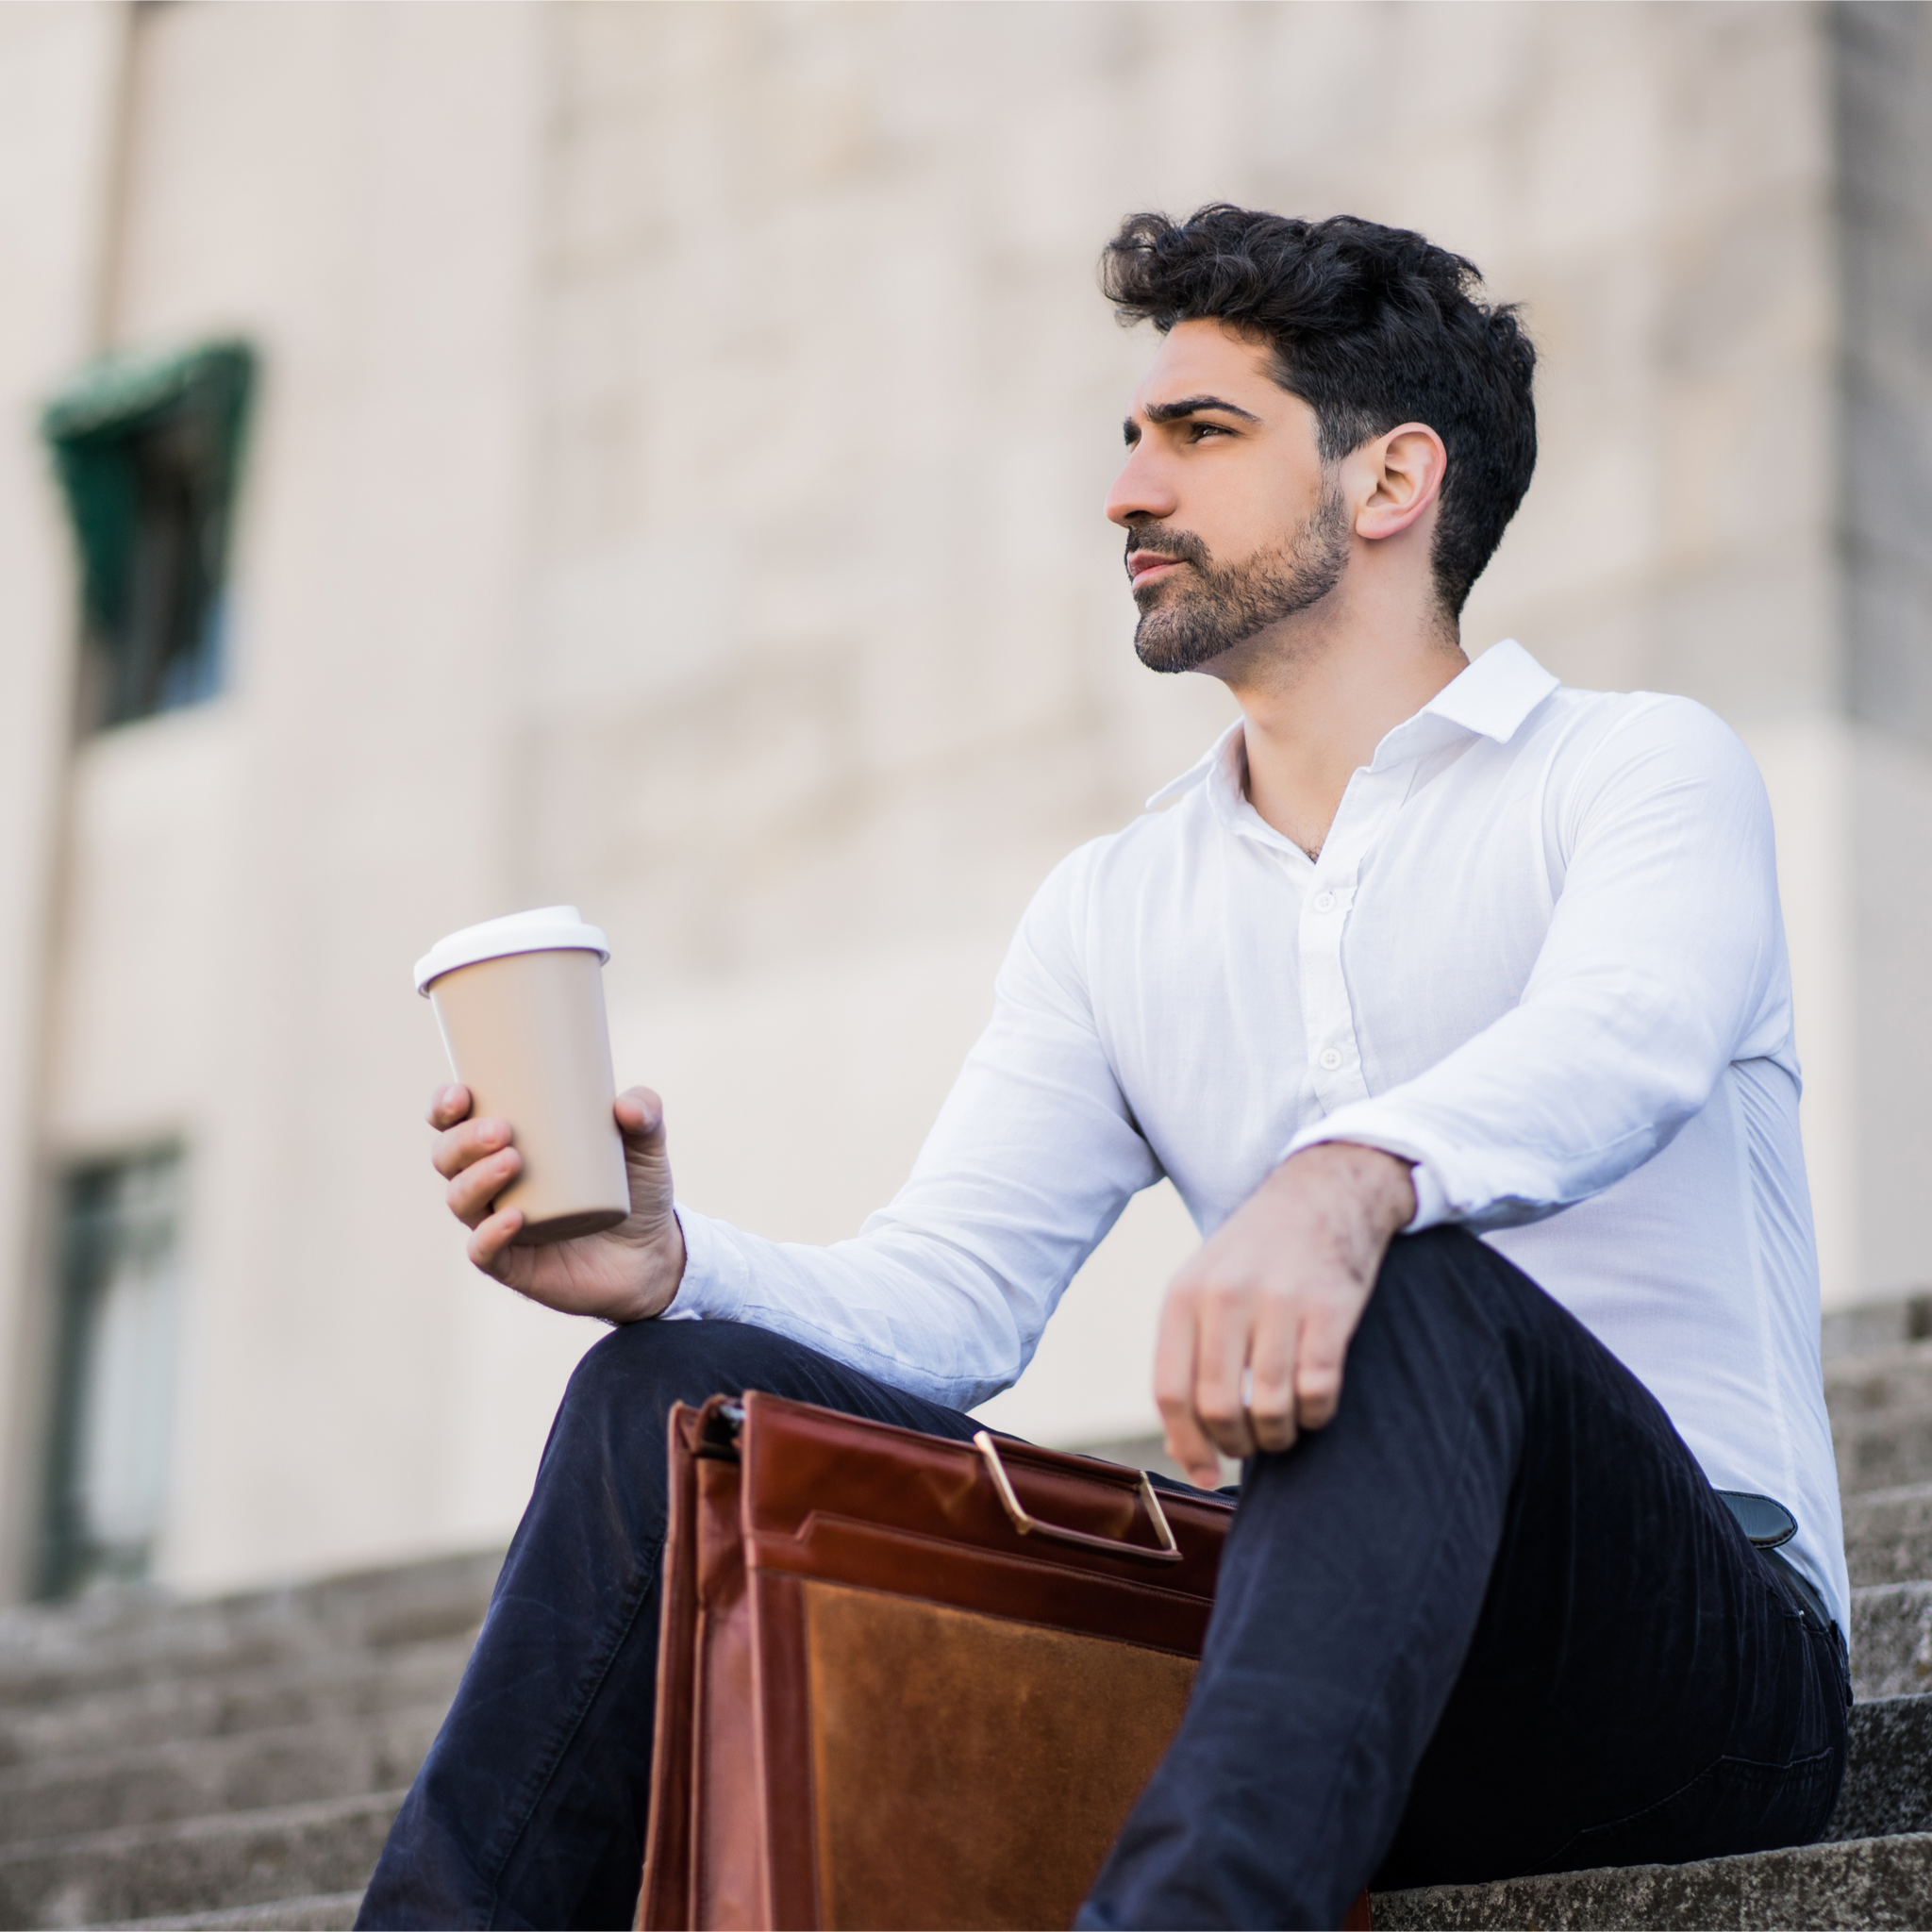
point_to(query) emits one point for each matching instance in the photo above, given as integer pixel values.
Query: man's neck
(1317, 704)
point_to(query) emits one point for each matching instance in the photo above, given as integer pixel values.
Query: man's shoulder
(1574, 703)
(1603, 754)
(1592, 728)
(1120, 866)
(1151, 839)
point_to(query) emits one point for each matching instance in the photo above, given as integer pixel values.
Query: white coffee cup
(520, 1003)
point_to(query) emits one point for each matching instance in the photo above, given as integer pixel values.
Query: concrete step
(122, 1639)
(1863, 1882)
(1891, 1641)
(1867, 1327)
(1888, 1786)
(325, 1912)
(310, 1689)
(1889, 1535)
(200, 1865)
(336, 1757)
(1886, 1450)
(1881, 1417)
(1888, 1378)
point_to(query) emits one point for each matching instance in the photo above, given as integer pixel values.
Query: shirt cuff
(1432, 1207)
(715, 1279)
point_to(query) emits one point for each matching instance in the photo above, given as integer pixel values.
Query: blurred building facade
(670, 482)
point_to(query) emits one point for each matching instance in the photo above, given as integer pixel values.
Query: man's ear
(1405, 471)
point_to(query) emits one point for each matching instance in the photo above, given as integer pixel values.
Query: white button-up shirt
(1541, 956)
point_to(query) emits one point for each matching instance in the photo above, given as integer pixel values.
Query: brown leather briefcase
(903, 1681)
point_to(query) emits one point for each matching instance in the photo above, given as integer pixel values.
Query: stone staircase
(237, 1763)
(228, 1763)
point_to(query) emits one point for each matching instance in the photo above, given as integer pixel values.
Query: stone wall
(1882, 69)
(677, 490)
(1882, 66)
(59, 72)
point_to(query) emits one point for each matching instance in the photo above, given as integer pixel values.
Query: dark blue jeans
(1492, 1620)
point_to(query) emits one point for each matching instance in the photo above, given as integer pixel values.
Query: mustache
(1182, 546)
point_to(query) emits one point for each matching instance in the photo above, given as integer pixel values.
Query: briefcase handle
(1026, 1525)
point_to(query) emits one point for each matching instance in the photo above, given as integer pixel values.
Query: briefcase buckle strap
(1028, 1525)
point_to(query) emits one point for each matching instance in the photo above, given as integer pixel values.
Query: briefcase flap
(998, 1526)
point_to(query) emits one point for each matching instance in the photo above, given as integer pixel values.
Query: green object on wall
(147, 448)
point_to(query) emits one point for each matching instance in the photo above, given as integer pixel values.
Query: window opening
(147, 450)
(114, 1400)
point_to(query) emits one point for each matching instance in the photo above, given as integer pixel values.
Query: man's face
(1232, 525)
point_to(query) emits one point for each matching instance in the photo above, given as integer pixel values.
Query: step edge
(1896, 1492)
(38, 1773)
(1871, 1592)
(1822, 1847)
(321, 1669)
(238, 1916)
(22, 1696)
(1905, 1350)
(134, 1838)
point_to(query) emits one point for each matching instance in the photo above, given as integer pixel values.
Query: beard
(1187, 621)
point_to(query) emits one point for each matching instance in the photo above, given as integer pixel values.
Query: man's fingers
(1196, 1454)
(449, 1105)
(471, 1192)
(1272, 1377)
(1226, 1322)
(640, 1113)
(488, 1245)
(466, 1143)
(1324, 1338)
(1174, 1390)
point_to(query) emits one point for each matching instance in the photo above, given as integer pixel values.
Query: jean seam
(518, 1815)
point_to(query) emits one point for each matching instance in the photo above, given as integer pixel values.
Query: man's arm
(945, 1292)
(1663, 963)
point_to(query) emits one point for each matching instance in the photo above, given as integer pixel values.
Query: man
(1421, 950)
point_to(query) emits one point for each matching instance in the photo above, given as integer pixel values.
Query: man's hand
(627, 1274)
(1256, 1327)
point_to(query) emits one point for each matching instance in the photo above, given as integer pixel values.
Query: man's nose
(1140, 492)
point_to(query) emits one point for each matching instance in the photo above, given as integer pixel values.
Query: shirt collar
(1490, 699)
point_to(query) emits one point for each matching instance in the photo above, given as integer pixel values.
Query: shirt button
(1324, 902)
(1331, 1058)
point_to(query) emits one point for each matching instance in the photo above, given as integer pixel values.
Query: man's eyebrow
(1192, 405)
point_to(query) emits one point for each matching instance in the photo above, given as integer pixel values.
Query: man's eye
(1197, 430)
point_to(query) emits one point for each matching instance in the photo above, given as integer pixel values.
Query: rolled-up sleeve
(945, 1292)
(1662, 964)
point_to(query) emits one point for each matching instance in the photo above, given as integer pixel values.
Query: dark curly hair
(1371, 326)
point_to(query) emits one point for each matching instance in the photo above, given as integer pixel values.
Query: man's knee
(1447, 1305)
(1451, 1263)
(647, 1366)
(1450, 1302)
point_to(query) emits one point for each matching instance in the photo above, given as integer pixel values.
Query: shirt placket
(1335, 1059)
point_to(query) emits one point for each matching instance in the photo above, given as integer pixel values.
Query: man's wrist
(673, 1258)
(662, 1275)
(1379, 1182)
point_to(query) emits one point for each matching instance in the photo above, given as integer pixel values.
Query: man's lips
(1149, 566)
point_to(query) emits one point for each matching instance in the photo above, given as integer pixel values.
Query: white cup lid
(549, 929)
